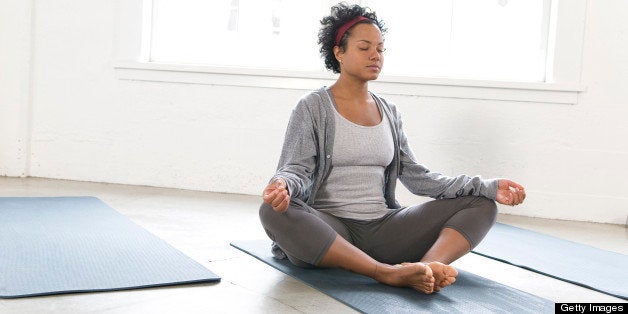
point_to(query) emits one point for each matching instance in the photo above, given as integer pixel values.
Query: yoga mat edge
(557, 258)
(61, 245)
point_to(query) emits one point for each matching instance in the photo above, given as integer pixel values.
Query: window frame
(562, 85)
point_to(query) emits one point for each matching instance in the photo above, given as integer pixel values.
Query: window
(480, 39)
(278, 34)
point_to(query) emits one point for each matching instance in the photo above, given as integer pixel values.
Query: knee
(267, 217)
(489, 208)
(273, 221)
(265, 213)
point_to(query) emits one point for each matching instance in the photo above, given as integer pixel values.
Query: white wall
(15, 69)
(89, 125)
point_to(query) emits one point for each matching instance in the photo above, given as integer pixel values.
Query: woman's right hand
(276, 195)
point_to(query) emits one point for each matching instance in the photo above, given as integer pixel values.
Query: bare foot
(444, 275)
(417, 276)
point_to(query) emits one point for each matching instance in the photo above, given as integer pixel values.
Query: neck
(352, 89)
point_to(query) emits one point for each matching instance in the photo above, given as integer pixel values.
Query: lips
(374, 67)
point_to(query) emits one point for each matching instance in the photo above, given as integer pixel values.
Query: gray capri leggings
(402, 235)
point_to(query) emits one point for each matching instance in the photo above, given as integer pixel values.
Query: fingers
(283, 206)
(512, 193)
(276, 195)
(517, 193)
(509, 197)
(521, 195)
(281, 201)
(515, 185)
(515, 197)
(279, 197)
(269, 195)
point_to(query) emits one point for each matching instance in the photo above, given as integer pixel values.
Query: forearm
(421, 181)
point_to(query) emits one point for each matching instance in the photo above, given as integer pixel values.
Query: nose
(375, 55)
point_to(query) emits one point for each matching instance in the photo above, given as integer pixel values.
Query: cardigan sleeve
(297, 162)
(419, 180)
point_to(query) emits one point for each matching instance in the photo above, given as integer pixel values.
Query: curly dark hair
(341, 14)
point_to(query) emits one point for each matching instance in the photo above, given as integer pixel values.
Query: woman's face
(364, 56)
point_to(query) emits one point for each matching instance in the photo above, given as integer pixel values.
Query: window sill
(393, 85)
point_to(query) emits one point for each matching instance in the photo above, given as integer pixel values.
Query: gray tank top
(355, 186)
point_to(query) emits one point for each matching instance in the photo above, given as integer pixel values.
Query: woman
(332, 200)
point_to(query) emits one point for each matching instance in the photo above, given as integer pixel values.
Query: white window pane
(480, 39)
(507, 42)
(247, 33)
(476, 39)
(418, 38)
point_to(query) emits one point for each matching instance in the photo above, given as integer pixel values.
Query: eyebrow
(369, 42)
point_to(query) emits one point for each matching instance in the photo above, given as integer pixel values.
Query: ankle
(382, 271)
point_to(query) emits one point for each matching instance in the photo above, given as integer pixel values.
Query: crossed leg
(430, 273)
(343, 254)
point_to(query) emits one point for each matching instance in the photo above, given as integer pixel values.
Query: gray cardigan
(308, 149)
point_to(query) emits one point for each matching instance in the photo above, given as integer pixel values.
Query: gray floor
(201, 224)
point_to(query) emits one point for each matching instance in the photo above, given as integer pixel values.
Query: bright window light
(471, 39)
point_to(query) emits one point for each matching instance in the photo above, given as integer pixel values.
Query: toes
(425, 288)
(429, 289)
(447, 281)
(445, 275)
(450, 271)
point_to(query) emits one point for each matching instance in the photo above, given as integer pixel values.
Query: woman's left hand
(510, 193)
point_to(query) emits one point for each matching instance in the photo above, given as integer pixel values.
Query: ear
(338, 52)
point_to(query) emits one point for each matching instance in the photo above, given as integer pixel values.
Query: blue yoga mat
(469, 294)
(580, 264)
(54, 245)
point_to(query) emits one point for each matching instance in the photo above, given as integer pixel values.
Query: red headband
(343, 29)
